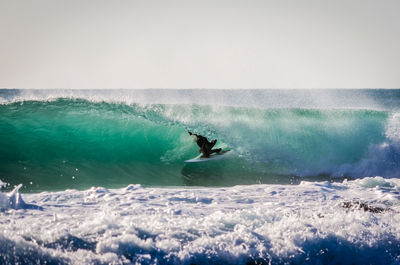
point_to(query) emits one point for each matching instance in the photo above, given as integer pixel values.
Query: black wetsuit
(205, 145)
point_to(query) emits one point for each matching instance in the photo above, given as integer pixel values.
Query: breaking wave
(79, 143)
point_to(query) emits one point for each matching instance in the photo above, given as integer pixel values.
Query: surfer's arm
(197, 135)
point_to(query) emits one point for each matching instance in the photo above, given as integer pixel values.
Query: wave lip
(372, 99)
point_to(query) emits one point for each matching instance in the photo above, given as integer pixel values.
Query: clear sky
(199, 44)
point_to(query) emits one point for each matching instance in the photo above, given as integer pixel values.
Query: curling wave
(79, 143)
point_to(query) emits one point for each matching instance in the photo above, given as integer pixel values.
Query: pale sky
(199, 44)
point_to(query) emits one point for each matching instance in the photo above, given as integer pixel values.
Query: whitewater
(98, 177)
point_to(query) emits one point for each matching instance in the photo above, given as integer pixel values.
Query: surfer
(205, 145)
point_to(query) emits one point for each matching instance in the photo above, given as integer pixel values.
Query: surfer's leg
(207, 150)
(216, 151)
(206, 154)
(213, 142)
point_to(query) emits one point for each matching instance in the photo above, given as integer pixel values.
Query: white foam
(277, 223)
(12, 200)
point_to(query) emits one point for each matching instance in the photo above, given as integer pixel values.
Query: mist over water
(372, 99)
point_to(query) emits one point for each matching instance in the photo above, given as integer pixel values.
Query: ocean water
(98, 177)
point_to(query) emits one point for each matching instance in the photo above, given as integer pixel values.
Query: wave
(77, 143)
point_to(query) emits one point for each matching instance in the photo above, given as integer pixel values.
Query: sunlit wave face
(194, 138)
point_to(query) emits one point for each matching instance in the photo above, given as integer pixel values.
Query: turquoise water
(124, 194)
(78, 143)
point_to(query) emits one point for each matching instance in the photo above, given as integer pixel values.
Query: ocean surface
(98, 177)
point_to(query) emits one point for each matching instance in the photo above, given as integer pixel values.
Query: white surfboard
(221, 155)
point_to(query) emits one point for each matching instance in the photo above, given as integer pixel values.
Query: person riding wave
(205, 145)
